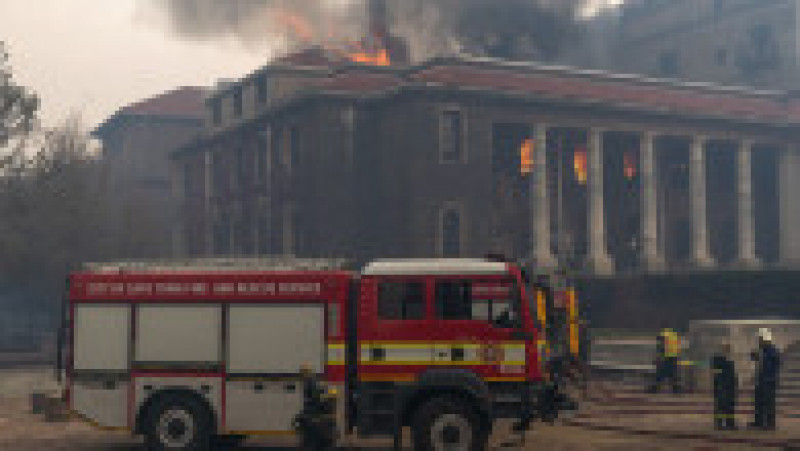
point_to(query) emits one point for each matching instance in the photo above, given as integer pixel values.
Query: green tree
(18, 108)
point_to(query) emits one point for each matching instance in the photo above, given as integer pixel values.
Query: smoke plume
(514, 29)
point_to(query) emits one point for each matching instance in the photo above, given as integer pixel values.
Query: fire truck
(183, 352)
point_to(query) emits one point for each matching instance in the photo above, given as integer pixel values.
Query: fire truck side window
(401, 300)
(453, 300)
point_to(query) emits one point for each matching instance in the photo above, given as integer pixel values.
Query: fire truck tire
(178, 422)
(448, 423)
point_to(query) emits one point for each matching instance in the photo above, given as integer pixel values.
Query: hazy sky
(94, 56)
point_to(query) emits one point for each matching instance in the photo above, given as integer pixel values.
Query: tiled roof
(675, 99)
(185, 102)
(313, 57)
(360, 81)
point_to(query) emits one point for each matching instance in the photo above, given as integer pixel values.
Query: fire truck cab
(184, 352)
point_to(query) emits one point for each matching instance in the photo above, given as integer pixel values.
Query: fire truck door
(101, 372)
(267, 345)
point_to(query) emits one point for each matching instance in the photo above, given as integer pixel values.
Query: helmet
(765, 334)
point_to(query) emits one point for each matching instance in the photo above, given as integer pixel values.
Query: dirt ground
(21, 430)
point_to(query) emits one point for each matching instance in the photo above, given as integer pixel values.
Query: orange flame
(630, 166)
(374, 56)
(580, 165)
(526, 156)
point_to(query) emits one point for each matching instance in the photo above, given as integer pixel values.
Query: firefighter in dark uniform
(316, 424)
(767, 367)
(725, 388)
(667, 353)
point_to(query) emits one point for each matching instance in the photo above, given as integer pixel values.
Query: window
(188, 181)
(241, 167)
(292, 148)
(718, 7)
(237, 101)
(454, 300)
(401, 300)
(668, 64)
(216, 111)
(489, 301)
(222, 234)
(721, 56)
(264, 228)
(451, 137)
(261, 89)
(218, 174)
(262, 166)
(450, 232)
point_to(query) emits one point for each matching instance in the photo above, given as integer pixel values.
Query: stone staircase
(789, 388)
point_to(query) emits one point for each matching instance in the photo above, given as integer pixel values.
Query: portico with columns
(599, 260)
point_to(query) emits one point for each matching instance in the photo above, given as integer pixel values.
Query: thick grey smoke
(515, 29)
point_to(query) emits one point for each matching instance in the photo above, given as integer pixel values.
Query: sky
(93, 57)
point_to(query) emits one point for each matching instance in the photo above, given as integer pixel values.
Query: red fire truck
(182, 352)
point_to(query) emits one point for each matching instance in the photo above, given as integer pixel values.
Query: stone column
(208, 205)
(747, 240)
(789, 206)
(541, 253)
(700, 251)
(652, 260)
(598, 260)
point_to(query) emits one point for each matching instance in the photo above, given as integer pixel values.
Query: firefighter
(767, 367)
(667, 353)
(315, 424)
(725, 388)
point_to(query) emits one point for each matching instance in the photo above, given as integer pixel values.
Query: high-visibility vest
(572, 306)
(672, 344)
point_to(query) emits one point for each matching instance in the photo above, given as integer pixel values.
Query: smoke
(514, 29)
(256, 24)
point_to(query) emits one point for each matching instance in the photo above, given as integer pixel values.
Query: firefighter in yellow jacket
(667, 354)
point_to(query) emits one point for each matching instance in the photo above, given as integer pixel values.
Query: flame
(375, 55)
(580, 166)
(630, 166)
(372, 51)
(526, 156)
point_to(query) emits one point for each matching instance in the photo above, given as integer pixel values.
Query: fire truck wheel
(177, 422)
(445, 424)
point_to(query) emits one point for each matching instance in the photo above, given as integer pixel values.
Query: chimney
(379, 33)
(378, 19)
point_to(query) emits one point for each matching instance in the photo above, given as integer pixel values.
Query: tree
(53, 211)
(18, 107)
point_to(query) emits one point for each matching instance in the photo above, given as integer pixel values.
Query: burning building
(324, 154)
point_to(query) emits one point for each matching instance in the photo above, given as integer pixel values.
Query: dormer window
(261, 89)
(216, 111)
(237, 101)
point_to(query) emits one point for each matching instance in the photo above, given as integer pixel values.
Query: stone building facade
(137, 141)
(742, 42)
(461, 157)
